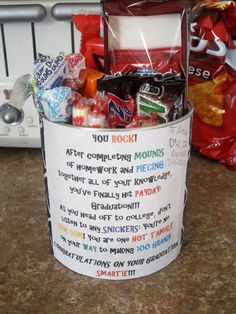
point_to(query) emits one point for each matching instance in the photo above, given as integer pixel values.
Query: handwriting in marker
(172, 142)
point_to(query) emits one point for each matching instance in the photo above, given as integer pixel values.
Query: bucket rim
(124, 130)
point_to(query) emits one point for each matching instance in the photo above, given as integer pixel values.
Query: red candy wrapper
(120, 111)
(89, 112)
(212, 80)
(80, 110)
(163, 63)
(97, 119)
(76, 71)
(120, 106)
(143, 121)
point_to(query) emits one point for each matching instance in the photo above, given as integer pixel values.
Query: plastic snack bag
(145, 37)
(212, 80)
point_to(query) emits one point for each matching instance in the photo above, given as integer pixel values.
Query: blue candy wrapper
(50, 72)
(55, 103)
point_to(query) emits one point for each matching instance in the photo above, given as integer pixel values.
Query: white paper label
(137, 32)
(116, 198)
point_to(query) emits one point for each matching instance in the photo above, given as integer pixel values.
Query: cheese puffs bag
(212, 79)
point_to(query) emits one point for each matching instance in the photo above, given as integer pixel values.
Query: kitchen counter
(200, 280)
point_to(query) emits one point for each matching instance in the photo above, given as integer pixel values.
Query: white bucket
(116, 197)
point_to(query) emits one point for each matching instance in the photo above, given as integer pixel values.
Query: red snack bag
(212, 80)
(92, 45)
(89, 27)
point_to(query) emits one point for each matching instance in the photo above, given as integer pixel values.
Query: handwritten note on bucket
(116, 198)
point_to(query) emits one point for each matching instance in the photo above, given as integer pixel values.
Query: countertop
(201, 280)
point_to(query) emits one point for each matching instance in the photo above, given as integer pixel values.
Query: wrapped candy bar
(49, 72)
(55, 103)
(212, 80)
(120, 102)
(164, 98)
(146, 95)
